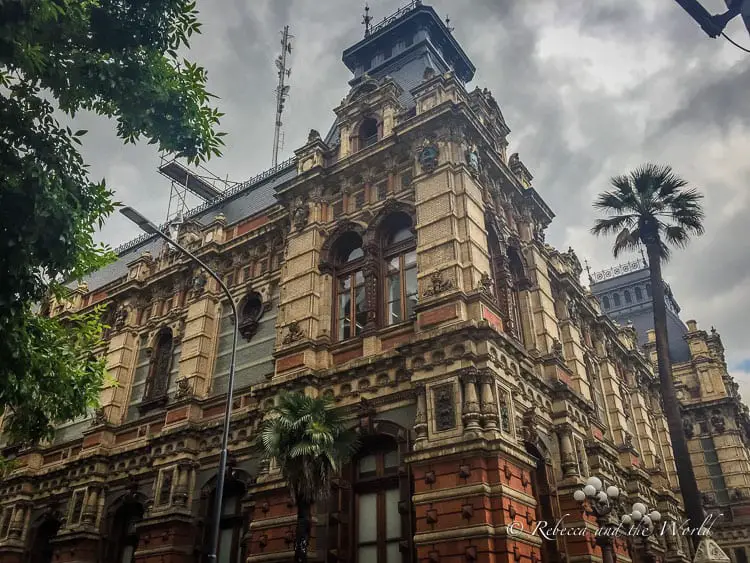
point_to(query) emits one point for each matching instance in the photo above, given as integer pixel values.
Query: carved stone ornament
(198, 285)
(100, 417)
(300, 214)
(295, 333)
(472, 159)
(437, 285)
(687, 426)
(486, 284)
(709, 552)
(445, 407)
(313, 136)
(121, 317)
(718, 423)
(427, 155)
(184, 389)
(557, 348)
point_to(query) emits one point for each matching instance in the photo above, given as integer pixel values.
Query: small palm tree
(651, 206)
(309, 442)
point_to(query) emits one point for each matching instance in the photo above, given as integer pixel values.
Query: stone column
(471, 412)
(180, 495)
(91, 507)
(17, 522)
(420, 420)
(370, 272)
(567, 453)
(489, 403)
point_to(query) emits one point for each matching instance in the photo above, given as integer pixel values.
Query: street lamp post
(148, 227)
(602, 503)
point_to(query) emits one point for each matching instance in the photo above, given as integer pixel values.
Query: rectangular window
(264, 266)
(229, 280)
(713, 468)
(165, 491)
(740, 555)
(401, 281)
(351, 305)
(338, 208)
(381, 191)
(406, 178)
(5, 522)
(359, 200)
(246, 273)
(77, 506)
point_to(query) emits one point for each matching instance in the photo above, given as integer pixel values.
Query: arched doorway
(544, 491)
(41, 548)
(122, 536)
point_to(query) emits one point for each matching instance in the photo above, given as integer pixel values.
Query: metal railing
(413, 5)
(282, 166)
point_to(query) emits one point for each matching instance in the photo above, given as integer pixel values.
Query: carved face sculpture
(428, 156)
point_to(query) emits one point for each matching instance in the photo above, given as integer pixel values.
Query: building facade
(397, 265)
(716, 421)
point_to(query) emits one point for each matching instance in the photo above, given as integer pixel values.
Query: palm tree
(651, 206)
(308, 441)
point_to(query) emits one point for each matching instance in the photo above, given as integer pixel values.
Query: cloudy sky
(589, 89)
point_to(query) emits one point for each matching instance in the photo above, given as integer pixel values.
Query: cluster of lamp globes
(638, 516)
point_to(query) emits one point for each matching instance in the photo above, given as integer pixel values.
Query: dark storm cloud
(589, 90)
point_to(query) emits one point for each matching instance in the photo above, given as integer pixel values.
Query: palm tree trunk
(302, 536)
(688, 485)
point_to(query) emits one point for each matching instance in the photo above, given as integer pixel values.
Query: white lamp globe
(601, 497)
(640, 507)
(627, 519)
(595, 482)
(589, 490)
(646, 520)
(579, 496)
(613, 492)
(655, 516)
(637, 515)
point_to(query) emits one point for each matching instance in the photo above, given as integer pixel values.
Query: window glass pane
(359, 278)
(367, 465)
(127, 554)
(394, 299)
(367, 554)
(410, 259)
(367, 528)
(392, 517)
(361, 313)
(392, 552)
(401, 235)
(225, 546)
(229, 506)
(354, 254)
(391, 459)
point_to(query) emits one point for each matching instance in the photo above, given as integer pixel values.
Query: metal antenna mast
(282, 90)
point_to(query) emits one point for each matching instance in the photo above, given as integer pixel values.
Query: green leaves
(309, 441)
(650, 206)
(119, 59)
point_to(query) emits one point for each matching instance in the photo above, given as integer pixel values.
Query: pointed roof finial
(588, 270)
(366, 19)
(448, 24)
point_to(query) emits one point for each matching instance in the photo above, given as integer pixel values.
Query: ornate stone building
(397, 264)
(716, 421)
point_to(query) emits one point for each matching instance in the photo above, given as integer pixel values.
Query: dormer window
(368, 132)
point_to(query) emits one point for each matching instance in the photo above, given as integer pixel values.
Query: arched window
(41, 540)
(507, 273)
(605, 302)
(368, 132)
(161, 364)
(638, 294)
(517, 275)
(351, 313)
(123, 534)
(231, 548)
(400, 261)
(250, 314)
(616, 299)
(377, 522)
(648, 290)
(628, 299)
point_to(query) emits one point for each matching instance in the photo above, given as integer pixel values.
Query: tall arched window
(517, 275)
(628, 298)
(161, 364)
(605, 302)
(616, 299)
(400, 259)
(123, 534)
(648, 290)
(351, 313)
(41, 540)
(377, 521)
(231, 548)
(368, 132)
(638, 294)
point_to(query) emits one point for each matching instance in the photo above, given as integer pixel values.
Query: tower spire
(282, 90)
(366, 20)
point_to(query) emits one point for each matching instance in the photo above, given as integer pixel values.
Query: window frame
(398, 250)
(350, 270)
(385, 479)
